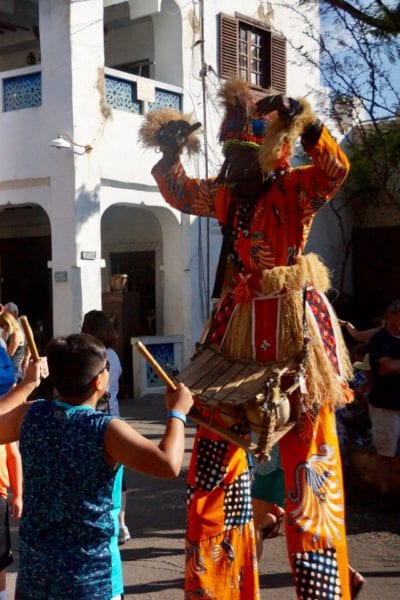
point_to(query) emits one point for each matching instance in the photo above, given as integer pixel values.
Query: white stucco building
(89, 70)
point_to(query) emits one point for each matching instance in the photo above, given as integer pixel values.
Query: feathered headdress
(241, 124)
(272, 135)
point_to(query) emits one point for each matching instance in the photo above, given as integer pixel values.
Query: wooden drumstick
(194, 414)
(156, 367)
(29, 337)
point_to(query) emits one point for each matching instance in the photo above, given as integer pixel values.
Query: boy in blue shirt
(71, 457)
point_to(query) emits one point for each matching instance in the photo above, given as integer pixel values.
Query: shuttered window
(252, 52)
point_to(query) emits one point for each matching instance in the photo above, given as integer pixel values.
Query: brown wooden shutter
(278, 63)
(228, 45)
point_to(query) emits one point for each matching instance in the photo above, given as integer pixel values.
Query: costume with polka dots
(220, 553)
(316, 575)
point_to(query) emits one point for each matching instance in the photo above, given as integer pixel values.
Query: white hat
(363, 365)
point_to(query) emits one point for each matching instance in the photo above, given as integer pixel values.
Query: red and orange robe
(220, 540)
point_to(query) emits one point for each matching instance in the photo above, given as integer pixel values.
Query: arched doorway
(132, 245)
(25, 249)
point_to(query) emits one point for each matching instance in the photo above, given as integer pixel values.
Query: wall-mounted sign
(88, 255)
(145, 90)
(60, 276)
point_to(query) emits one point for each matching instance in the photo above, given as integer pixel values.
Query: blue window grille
(164, 355)
(23, 91)
(121, 94)
(166, 99)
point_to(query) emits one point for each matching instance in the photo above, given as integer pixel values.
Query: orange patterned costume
(220, 540)
(220, 548)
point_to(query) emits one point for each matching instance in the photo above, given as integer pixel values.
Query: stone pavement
(153, 558)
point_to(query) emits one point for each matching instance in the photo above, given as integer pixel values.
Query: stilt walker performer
(271, 308)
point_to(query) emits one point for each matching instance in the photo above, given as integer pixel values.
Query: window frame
(273, 61)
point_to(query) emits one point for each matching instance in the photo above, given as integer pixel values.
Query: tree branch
(388, 23)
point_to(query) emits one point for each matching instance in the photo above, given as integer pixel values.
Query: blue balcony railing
(122, 94)
(22, 91)
(25, 91)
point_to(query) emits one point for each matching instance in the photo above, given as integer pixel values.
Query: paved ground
(153, 559)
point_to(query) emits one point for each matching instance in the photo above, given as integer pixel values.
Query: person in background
(96, 323)
(352, 421)
(7, 375)
(71, 456)
(14, 338)
(10, 476)
(361, 335)
(268, 499)
(384, 396)
(362, 380)
(12, 309)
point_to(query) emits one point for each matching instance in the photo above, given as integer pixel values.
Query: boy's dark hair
(73, 362)
(96, 323)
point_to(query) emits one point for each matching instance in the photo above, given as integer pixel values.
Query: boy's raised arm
(126, 446)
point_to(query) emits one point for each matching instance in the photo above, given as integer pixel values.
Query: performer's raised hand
(174, 135)
(286, 107)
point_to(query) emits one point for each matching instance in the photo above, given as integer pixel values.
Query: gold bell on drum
(283, 411)
(277, 403)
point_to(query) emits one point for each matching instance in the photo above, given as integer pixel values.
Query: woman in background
(97, 324)
(14, 339)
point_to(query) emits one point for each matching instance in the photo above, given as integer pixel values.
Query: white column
(72, 49)
(177, 279)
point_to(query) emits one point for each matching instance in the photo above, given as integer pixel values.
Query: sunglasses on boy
(105, 368)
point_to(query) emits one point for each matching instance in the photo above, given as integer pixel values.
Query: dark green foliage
(375, 164)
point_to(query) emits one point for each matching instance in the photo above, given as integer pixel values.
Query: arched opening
(25, 278)
(132, 246)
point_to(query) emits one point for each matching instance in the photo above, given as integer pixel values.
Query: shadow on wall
(87, 204)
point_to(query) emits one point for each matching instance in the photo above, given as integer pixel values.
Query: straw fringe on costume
(281, 137)
(237, 340)
(236, 93)
(323, 383)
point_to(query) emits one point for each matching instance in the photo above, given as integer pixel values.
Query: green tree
(375, 166)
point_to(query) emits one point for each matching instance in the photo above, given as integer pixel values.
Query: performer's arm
(319, 182)
(124, 445)
(192, 196)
